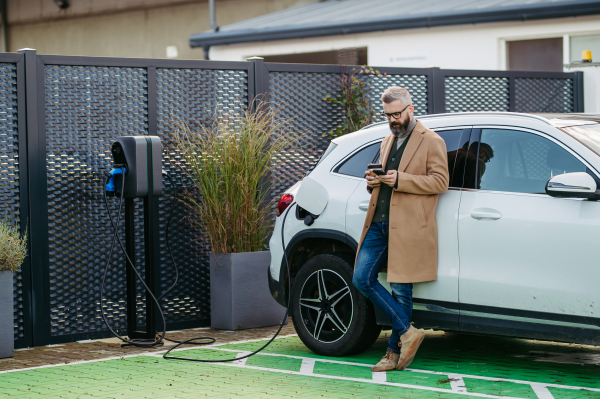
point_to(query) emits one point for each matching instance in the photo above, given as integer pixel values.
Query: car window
(356, 165)
(516, 161)
(327, 152)
(455, 141)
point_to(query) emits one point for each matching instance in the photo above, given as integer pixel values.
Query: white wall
(480, 46)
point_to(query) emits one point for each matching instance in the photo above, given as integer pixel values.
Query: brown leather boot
(410, 343)
(388, 362)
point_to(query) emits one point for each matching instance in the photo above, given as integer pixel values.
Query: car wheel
(330, 315)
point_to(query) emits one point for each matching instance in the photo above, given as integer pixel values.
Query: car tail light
(284, 202)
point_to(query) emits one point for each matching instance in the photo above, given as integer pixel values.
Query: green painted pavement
(271, 374)
(485, 356)
(500, 388)
(149, 377)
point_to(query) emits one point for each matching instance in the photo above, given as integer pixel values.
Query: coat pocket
(421, 212)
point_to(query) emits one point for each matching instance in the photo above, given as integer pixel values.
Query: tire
(338, 322)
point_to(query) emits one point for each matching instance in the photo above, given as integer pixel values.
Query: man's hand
(372, 179)
(390, 178)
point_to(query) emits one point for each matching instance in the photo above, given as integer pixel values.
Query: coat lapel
(411, 147)
(385, 149)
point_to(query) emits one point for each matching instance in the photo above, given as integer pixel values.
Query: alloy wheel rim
(326, 306)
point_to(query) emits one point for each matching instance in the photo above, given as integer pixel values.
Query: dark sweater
(382, 209)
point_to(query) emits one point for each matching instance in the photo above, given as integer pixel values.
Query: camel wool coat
(422, 176)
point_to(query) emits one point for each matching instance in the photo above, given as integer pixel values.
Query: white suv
(519, 232)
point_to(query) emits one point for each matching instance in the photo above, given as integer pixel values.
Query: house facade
(541, 35)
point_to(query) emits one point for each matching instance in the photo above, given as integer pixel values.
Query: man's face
(398, 125)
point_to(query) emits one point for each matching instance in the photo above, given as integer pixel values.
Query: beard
(400, 129)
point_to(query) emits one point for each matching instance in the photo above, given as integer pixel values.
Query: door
(527, 260)
(435, 302)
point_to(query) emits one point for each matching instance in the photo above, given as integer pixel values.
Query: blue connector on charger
(115, 176)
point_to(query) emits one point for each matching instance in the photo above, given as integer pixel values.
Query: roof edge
(561, 10)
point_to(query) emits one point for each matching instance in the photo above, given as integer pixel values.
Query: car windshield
(588, 135)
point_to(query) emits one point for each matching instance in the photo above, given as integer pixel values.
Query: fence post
(38, 209)
(260, 95)
(260, 80)
(438, 91)
(23, 202)
(578, 101)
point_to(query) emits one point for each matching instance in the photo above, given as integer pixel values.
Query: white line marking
(363, 380)
(457, 383)
(217, 345)
(442, 373)
(379, 377)
(134, 354)
(307, 367)
(541, 390)
(86, 341)
(241, 362)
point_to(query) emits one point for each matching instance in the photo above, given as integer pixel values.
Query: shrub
(229, 164)
(354, 101)
(13, 247)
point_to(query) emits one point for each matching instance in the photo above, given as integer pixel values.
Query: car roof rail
(473, 113)
(495, 113)
(373, 125)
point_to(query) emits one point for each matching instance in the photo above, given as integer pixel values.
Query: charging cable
(287, 310)
(158, 340)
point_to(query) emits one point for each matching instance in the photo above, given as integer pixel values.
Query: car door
(435, 302)
(528, 261)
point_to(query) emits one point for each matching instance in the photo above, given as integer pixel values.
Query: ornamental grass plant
(13, 247)
(229, 165)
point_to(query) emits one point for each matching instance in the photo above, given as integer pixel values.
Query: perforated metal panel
(301, 96)
(191, 96)
(544, 95)
(10, 206)
(86, 109)
(473, 93)
(415, 84)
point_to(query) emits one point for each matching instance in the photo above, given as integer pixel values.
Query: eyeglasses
(395, 115)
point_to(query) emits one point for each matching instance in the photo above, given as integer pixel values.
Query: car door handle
(364, 206)
(486, 214)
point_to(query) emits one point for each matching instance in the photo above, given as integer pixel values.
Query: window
(580, 43)
(345, 56)
(536, 55)
(456, 145)
(515, 161)
(356, 165)
(327, 152)
(588, 135)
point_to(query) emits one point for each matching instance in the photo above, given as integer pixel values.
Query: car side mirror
(573, 185)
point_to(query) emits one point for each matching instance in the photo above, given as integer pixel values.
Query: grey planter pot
(239, 292)
(7, 321)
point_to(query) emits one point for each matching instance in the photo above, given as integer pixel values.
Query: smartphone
(376, 168)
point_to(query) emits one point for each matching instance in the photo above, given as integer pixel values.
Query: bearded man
(401, 218)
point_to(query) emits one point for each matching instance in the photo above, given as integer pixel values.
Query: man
(400, 224)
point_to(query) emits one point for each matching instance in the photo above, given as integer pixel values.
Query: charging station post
(140, 157)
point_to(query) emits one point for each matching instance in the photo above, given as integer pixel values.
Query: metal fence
(59, 115)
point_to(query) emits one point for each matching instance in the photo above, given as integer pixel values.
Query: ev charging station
(137, 173)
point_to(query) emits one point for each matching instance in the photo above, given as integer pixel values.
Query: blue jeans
(397, 306)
